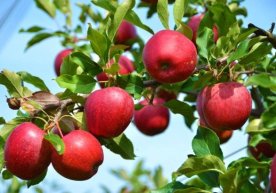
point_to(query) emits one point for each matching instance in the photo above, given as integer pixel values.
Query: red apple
(59, 59)
(126, 33)
(27, 155)
(194, 25)
(108, 111)
(152, 119)
(225, 105)
(273, 174)
(82, 156)
(262, 148)
(169, 56)
(126, 67)
(167, 95)
(224, 135)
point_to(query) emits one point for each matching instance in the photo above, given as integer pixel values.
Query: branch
(269, 34)
(258, 102)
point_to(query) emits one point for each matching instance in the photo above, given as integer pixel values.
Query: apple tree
(210, 68)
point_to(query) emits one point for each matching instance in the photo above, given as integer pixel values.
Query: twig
(149, 83)
(269, 34)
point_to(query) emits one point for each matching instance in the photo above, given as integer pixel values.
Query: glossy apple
(194, 25)
(225, 105)
(27, 155)
(273, 174)
(152, 119)
(262, 149)
(126, 67)
(126, 33)
(108, 111)
(59, 59)
(169, 56)
(82, 156)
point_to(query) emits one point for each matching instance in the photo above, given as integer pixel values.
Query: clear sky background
(169, 149)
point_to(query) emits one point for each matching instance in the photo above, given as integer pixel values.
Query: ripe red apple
(169, 56)
(59, 59)
(262, 148)
(108, 111)
(82, 156)
(224, 135)
(126, 67)
(273, 174)
(225, 105)
(152, 119)
(167, 95)
(27, 155)
(126, 33)
(194, 25)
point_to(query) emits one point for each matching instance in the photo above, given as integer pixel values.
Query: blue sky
(169, 149)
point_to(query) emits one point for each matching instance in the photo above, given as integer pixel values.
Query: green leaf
(197, 165)
(240, 52)
(192, 190)
(47, 6)
(56, 141)
(229, 181)
(37, 180)
(185, 30)
(132, 83)
(2, 121)
(12, 82)
(268, 117)
(2, 147)
(98, 42)
(34, 80)
(248, 162)
(32, 29)
(38, 38)
(206, 142)
(204, 42)
(179, 10)
(6, 174)
(119, 15)
(77, 83)
(170, 188)
(210, 178)
(163, 12)
(120, 145)
(158, 178)
(253, 126)
(264, 80)
(179, 107)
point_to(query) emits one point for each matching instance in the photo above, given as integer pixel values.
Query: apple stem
(59, 130)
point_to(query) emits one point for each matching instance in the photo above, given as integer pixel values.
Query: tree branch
(258, 102)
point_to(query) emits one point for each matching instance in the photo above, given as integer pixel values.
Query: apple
(273, 174)
(82, 156)
(169, 56)
(224, 135)
(27, 155)
(152, 119)
(262, 148)
(108, 111)
(59, 59)
(126, 67)
(194, 25)
(225, 106)
(165, 94)
(126, 33)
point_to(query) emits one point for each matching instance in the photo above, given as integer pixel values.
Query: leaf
(248, 162)
(132, 83)
(119, 15)
(44, 99)
(192, 190)
(268, 117)
(98, 42)
(229, 181)
(197, 165)
(263, 80)
(34, 80)
(185, 30)
(163, 12)
(253, 126)
(158, 178)
(210, 178)
(37, 180)
(2, 121)
(179, 107)
(206, 142)
(179, 10)
(56, 141)
(240, 52)
(6, 174)
(32, 29)
(47, 6)
(12, 82)
(170, 188)
(120, 145)
(2, 147)
(204, 42)
(38, 38)
(77, 83)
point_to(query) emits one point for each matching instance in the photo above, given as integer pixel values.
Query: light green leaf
(47, 6)
(38, 38)
(34, 80)
(170, 188)
(132, 83)
(12, 82)
(185, 30)
(32, 29)
(268, 117)
(163, 13)
(56, 141)
(179, 10)
(262, 80)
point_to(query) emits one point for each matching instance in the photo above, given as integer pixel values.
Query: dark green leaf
(229, 181)
(120, 145)
(38, 38)
(47, 6)
(178, 107)
(34, 80)
(204, 42)
(210, 178)
(163, 13)
(32, 29)
(12, 82)
(56, 141)
(263, 80)
(269, 118)
(77, 83)
(240, 52)
(132, 83)
(2, 121)
(6, 175)
(178, 10)
(170, 188)
(37, 180)
(206, 142)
